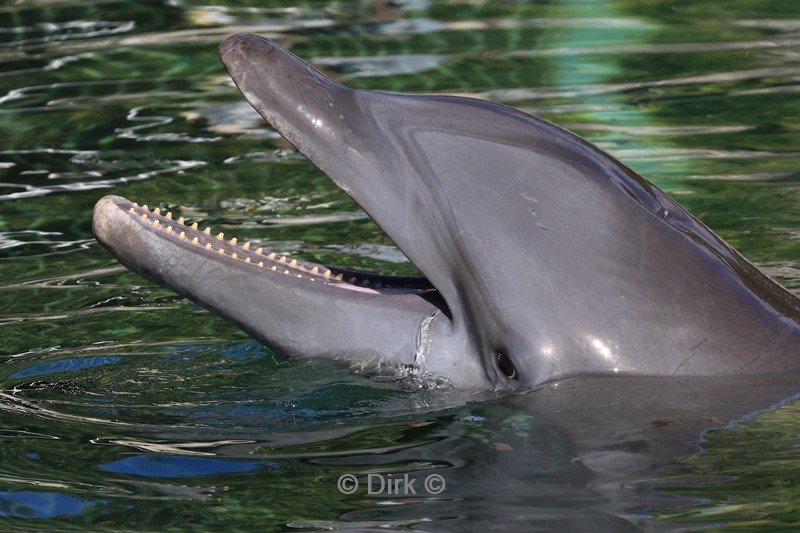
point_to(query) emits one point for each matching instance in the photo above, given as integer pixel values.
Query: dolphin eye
(506, 366)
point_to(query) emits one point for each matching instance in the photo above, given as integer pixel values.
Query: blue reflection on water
(65, 365)
(27, 504)
(174, 466)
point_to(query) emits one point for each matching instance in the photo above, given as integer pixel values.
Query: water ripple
(32, 239)
(30, 191)
(521, 94)
(660, 48)
(153, 121)
(64, 31)
(122, 403)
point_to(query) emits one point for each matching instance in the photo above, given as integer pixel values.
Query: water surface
(122, 406)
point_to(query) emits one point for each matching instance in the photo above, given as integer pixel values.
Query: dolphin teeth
(234, 256)
(144, 206)
(220, 252)
(156, 224)
(259, 250)
(182, 235)
(261, 263)
(246, 246)
(352, 281)
(132, 210)
(169, 230)
(207, 231)
(135, 204)
(194, 225)
(220, 236)
(339, 277)
(282, 259)
(300, 276)
(233, 240)
(208, 246)
(293, 263)
(181, 221)
(169, 215)
(327, 274)
(286, 272)
(246, 259)
(315, 270)
(273, 268)
(195, 241)
(271, 255)
(143, 217)
(157, 210)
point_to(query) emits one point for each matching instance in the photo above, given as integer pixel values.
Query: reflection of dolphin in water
(544, 256)
(574, 455)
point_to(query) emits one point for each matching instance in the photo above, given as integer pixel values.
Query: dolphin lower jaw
(295, 307)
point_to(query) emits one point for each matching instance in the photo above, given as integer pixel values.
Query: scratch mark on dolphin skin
(689, 356)
(699, 344)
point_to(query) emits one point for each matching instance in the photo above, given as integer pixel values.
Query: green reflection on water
(758, 465)
(129, 98)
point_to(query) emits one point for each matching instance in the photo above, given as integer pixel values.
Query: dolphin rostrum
(543, 256)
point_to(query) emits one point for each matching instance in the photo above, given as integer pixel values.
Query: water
(123, 407)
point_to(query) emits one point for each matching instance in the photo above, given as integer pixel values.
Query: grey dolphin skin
(543, 256)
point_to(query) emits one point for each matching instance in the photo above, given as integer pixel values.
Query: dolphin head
(543, 256)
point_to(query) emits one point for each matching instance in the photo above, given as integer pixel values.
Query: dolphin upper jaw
(314, 113)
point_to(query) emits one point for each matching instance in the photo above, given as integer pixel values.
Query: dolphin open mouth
(180, 233)
(299, 308)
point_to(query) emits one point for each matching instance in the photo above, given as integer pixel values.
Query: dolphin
(543, 256)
